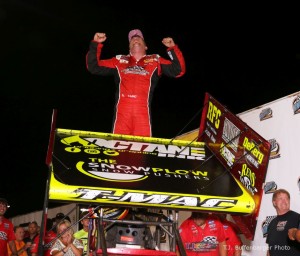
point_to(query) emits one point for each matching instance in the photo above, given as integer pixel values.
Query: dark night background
(244, 56)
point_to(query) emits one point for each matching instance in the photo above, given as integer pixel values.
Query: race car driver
(136, 76)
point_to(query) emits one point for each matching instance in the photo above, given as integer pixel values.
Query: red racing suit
(6, 234)
(136, 81)
(198, 241)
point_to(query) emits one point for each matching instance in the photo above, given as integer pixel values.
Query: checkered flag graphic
(210, 240)
(265, 225)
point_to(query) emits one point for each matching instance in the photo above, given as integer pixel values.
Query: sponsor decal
(270, 187)
(265, 114)
(117, 196)
(123, 58)
(149, 60)
(103, 162)
(214, 114)
(124, 173)
(227, 155)
(123, 61)
(248, 178)
(135, 70)
(274, 149)
(251, 161)
(252, 149)
(296, 105)
(211, 133)
(76, 144)
(230, 134)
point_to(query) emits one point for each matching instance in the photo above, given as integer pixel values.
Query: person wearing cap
(136, 76)
(61, 216)
(7, 236)
(58, 218)
(83, 233)
(202, 235)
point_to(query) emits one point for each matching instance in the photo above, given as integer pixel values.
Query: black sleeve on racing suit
(175, 67)
(97, 66)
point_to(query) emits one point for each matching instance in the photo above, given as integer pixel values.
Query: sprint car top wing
(132, 171)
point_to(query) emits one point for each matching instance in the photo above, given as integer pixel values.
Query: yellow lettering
(213, 114)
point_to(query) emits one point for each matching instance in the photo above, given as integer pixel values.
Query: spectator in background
(20, 245)
(202, 235)
(83, 233)
(233, 242)
(61, 216)
(66, 243)
(7, 236)
(32, 241)
(277, 234)
(50, 237)
(58, 218)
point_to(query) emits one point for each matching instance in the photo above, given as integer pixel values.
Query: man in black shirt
(277, 235)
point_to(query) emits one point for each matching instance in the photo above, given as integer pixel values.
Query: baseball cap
(85, 214)
(4, 201)
(60, 215)
(135, 32)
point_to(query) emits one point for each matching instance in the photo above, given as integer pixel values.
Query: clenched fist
(100, 37)
(168, 41)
